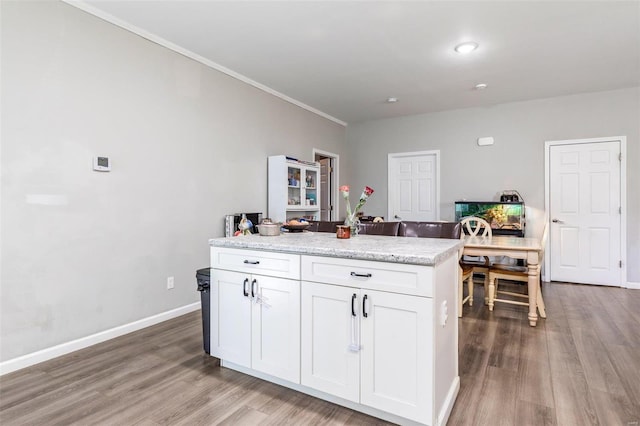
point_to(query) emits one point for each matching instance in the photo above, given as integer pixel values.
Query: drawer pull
(355, 274)
(245, 290)
(364, 306)
(252, 262)
(353, 305)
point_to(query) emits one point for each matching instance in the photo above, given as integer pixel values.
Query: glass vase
(354, 223)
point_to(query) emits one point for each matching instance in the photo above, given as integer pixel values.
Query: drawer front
(281, 265)
(394, 277)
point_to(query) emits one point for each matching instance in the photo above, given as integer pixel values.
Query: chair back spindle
(475, 227)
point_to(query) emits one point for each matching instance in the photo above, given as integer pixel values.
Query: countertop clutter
(416, 251)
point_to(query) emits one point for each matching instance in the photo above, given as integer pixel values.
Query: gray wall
(515, 161)
(83, 251)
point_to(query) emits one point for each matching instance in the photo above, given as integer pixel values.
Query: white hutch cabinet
(294, 189)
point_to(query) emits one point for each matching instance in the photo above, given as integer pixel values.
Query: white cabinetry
(397, 332)
(370, 335)
(255, 318)
(293, 188)
(328, 330)
(381, 360)
(372, 347)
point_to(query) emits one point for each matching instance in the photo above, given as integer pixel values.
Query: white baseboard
(635, 286)
(74, 345)
(447, 406)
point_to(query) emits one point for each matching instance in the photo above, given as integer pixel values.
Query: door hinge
(620, 264)
(620, 209)
(620, 157)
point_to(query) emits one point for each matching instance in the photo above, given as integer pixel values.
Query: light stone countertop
(416, 251)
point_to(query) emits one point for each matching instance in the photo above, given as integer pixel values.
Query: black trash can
(204, 281)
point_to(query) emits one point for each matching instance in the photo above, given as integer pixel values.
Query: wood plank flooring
(580, 366)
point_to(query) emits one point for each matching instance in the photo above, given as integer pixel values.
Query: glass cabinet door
(311, 188)
(294, 185)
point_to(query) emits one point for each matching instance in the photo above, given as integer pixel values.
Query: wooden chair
(515, 273)
(466, 274)
(475, 227)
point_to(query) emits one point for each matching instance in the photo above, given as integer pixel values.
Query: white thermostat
(101, 164)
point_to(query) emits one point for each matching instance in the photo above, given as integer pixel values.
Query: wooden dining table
(528, 249)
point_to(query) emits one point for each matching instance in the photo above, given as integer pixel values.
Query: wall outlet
(169, 283)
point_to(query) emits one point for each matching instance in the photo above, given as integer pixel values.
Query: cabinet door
(231, 317)
(295, 193)
(396, 359)
(276, 327)
(329, 362)
(311, 189)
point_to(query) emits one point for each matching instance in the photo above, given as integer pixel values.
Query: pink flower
(344, 189)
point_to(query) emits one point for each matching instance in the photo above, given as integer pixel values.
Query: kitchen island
(368, 322)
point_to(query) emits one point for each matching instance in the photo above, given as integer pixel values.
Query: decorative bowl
(296, 228)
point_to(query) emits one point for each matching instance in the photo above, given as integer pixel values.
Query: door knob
(557, 221)
(397, 217)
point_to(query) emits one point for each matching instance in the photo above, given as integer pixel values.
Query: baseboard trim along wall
(74, 345)
(635, 286)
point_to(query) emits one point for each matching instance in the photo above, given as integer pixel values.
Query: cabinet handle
(355, 274)
(353, 305)
(253, 288)
(251, 262)
(245, 290)
(364, 306)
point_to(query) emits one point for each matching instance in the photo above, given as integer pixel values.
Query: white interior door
(585, 213)
(414, 185)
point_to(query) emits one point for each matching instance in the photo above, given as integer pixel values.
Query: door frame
(395, 155)
(623, 198)
(335, 178)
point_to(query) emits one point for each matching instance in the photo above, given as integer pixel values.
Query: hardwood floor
(580, 366)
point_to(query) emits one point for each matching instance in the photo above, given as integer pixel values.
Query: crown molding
(172, 46)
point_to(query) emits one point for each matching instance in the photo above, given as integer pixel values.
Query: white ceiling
(346, 58)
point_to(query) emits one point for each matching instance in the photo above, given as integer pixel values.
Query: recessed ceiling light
(466, 47)
(481, 86)
(392, 100)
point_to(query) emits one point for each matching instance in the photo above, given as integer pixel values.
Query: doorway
(328, 183)
(414, 186)
(585, 196)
